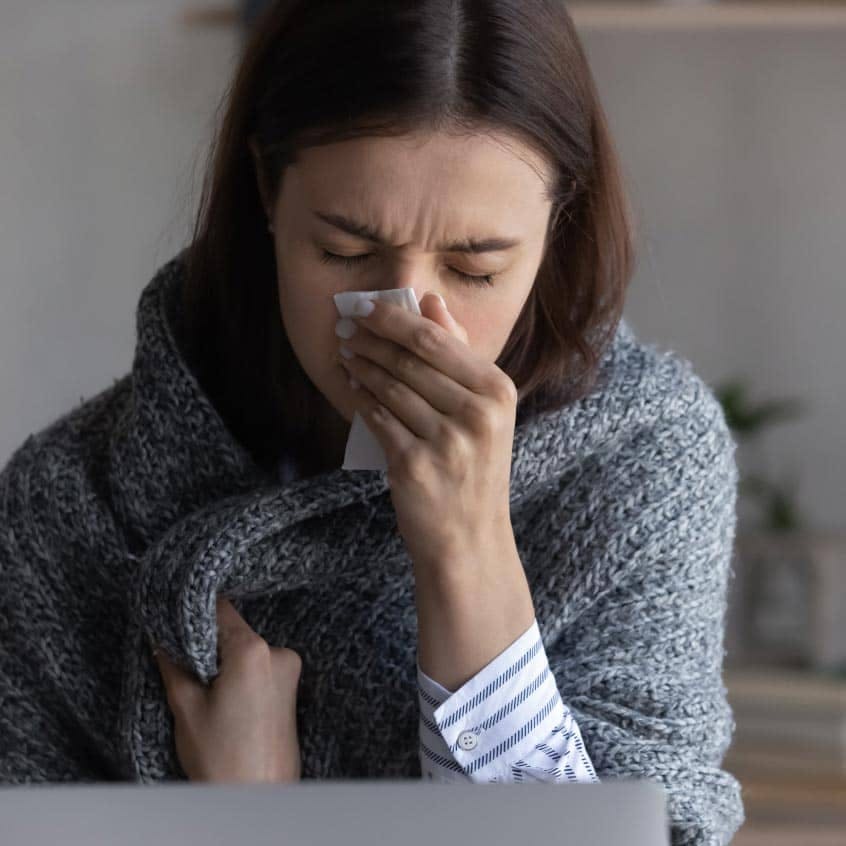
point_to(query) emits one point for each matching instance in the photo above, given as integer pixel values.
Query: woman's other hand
(242, 726)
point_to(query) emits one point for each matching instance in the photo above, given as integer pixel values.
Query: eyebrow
(466, 245)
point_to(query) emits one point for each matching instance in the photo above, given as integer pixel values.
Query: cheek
(311, 331)
(309, 315)
(487, 330)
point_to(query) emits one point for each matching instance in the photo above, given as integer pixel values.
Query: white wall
(733, 144)
(106, 115)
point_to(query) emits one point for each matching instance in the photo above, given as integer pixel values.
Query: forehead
(377, 174)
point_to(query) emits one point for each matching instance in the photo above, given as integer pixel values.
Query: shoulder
(665, 392)
(670, 419)
(670, 476)
(78, 430)
(60, 473)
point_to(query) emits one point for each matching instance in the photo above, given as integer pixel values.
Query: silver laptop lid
(354, 813)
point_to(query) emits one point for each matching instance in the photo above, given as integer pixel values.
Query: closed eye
(353, 261)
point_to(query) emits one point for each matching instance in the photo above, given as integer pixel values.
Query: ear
(261, 178)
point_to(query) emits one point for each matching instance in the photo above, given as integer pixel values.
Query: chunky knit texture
(124, 518)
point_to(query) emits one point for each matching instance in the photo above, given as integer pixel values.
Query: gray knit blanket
(123, 519)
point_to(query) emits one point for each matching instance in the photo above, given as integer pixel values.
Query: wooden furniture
(794, 810)
(787, 756)
(789, 835)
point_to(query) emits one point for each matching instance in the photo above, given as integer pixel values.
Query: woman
(536, 587)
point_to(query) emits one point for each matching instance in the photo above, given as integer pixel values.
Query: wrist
(459, 568)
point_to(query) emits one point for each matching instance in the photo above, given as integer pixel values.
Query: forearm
(468, 612)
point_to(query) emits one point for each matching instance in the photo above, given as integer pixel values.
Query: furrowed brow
(466, 245)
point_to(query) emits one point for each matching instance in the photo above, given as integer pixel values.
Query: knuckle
(507, 390)
(502, 388)
(292, 661)
(240, 638)
(253, 649)
(411, 463)
(453, 445)
(292, 656)
(428, 338)
(393, 388)
(481, 415)
(406, 363)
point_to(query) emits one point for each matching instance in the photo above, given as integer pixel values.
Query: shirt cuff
(496, 719)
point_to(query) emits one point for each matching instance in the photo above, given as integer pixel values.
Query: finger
(432, 393)
(228, 616)
(433, 306)
(184, 690)
(404, 407)
(438, 347)
(287, 669)
(378, 364)
(233, 631)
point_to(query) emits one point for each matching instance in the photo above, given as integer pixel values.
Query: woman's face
(419, 193)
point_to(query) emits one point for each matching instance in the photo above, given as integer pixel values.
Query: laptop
(330, 812)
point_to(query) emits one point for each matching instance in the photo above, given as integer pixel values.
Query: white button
(468, 740)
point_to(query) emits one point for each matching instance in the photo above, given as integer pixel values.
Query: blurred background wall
(732, 139)
(106, 117)
(734, 142)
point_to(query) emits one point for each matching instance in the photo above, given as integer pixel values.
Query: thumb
(433, 306)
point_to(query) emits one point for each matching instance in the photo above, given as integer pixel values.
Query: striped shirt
(506, 724)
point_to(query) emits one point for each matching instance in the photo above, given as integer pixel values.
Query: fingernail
(345, 328)
(442, 301)
(363, 307)
(346, 352)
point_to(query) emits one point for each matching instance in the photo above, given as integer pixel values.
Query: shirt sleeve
(506, 724)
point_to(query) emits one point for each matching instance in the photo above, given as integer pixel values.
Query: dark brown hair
(319, 71)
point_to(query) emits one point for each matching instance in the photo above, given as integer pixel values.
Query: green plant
(748, 420)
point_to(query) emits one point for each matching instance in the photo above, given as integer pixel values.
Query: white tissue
(364, 452)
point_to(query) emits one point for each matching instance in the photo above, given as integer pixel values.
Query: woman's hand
(448, 438)
(242, 727)
(447, 434)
